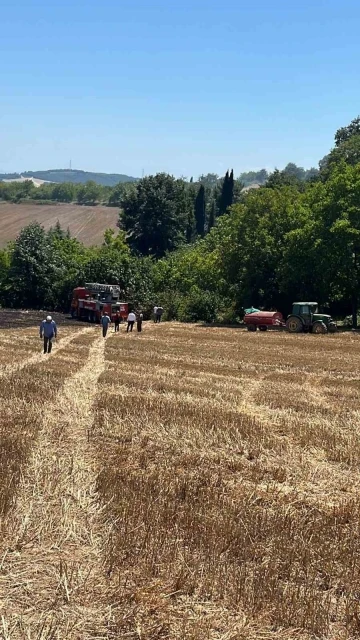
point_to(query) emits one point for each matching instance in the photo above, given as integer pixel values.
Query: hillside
(87, 224)
(71, 175)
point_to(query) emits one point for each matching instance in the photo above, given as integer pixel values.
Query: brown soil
(87, 224)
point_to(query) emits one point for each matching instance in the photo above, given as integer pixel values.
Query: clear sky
(181, 86)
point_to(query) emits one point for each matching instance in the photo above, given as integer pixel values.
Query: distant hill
(71, 175)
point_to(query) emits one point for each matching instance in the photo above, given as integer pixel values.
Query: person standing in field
(139, 321)
(105, 321)
(131, 319)
(48, 330)
(155, 313)
(117, 321)
(159, 312)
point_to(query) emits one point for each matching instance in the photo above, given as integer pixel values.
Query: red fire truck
(90, 302)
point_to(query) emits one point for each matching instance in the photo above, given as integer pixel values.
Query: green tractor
(305, 317)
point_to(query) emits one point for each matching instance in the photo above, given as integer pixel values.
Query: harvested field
(87, 224)
(184, 483)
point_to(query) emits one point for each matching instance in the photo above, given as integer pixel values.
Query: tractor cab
(305, 310)
(305, 317)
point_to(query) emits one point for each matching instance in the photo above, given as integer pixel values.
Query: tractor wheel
(294, 325)
(263, 327)
(332, 328)
(319, 327)
(251, 327)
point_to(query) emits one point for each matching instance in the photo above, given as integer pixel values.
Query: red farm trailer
(263, 320)
(90, 302)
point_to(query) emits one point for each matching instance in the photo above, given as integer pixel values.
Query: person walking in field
(139, 321)
(131, 319)
(155, 313)
(159, 312)
(117, 322)
(48, 331)
(105, 321)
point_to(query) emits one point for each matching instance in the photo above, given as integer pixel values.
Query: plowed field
(87, 224)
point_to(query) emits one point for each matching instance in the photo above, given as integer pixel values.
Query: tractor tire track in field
(61, 344)
(52, 581)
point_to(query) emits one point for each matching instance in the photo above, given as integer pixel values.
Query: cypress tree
(230, 193)
(200, 211)
(227, 193)
(223, 195)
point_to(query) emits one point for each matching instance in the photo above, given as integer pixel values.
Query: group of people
(48, 328)
(158, 311)
(131, 319)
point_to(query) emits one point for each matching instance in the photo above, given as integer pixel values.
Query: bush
(229, 314)
(34, 201)
(198, 305)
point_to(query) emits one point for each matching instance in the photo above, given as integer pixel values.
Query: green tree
(279, 179)
(226, 198)
(64, 192)
(200, 211)
(155, 215)
(5, 262)
(33, 267)
(89, 193)
(347, 151)
(27, 189)
(294, 171)
(345, 133)
(212, 215)
(222, 201)
(251, 177)
(56, 232)
(71, 258)
(4, 191)
(250, 244)
(45, 192)
(321, 257)
(336, 209)
(209, 180)
(119, 192)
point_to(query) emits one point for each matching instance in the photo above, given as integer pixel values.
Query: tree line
(89, 193)
(206, 250)
(92, 193)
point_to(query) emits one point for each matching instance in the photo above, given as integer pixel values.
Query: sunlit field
(185, 482)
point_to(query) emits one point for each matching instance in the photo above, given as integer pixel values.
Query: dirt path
(39, 356)
(52, 583)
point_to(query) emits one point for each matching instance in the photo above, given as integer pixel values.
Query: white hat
(48, 318)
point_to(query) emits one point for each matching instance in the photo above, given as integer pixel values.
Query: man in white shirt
(131, 319)
(155, 313)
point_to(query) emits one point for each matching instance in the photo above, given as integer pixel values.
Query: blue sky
(178, 86)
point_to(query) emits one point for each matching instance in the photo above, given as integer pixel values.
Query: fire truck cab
(90, 302)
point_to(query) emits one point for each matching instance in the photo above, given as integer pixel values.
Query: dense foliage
(207, 249)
